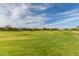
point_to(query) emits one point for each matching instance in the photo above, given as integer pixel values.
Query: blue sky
(32, 15)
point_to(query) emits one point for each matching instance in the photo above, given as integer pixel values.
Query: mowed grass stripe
(39, 43)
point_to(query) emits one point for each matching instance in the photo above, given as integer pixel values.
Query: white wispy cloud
(71, 16)
(17, 12)
(21, 15)
(11, 14)
(68, 17)
(40, 7)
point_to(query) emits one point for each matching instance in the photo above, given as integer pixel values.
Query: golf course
(39, 43)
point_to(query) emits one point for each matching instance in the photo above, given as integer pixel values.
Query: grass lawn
(39, 43)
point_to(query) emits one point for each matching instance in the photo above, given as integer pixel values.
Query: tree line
(9, 28)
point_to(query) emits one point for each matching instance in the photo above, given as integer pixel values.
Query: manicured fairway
(39, 43)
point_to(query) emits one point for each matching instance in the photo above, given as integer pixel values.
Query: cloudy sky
(39, 15)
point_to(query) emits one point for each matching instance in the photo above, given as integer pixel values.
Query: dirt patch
(75, 31)
(16, 38)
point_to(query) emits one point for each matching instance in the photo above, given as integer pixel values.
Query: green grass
(39, 43)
